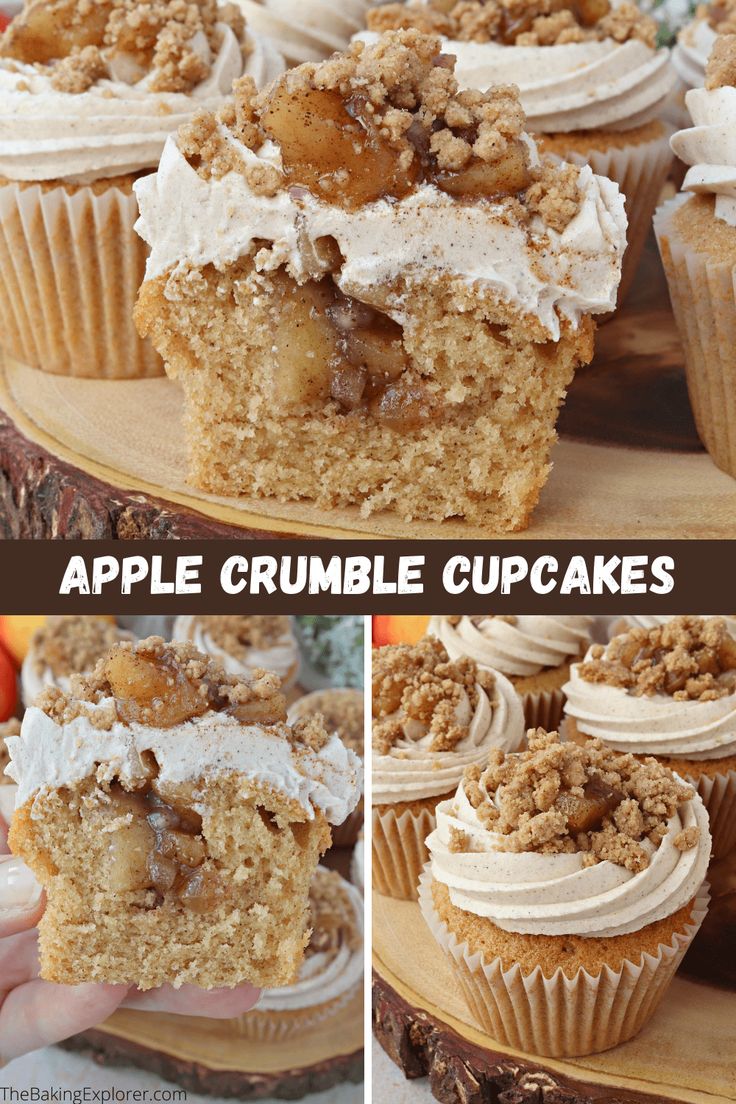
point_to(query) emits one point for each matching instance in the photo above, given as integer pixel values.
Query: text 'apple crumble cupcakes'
(696, 234)
(175, 821)
(331, 974)
(432, 717)
(306, 30)
(66, 646)
(89, 92)
(244, 644)
(372, 292)
(533, 652)
(565, 885)
(592, 82)
(342, 710)
(669, 692)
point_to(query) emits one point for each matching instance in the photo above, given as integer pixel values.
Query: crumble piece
(419, 683)
(689, 658)
(341, 711)
(720, 71)
(564, 798)
(310, 731)
(79, 71)
(555, 195)
(458, 840)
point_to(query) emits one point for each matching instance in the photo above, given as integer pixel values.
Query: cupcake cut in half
(175, 821)
(669, 692)
(432, 718)
(341, 710)
(533, 652)
(243, 644)
(592, 83)
(89, 92)
(370, 290)
(66, 646)
(565, 886)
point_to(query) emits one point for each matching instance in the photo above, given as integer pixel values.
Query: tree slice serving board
(212, 1056)
(687, 1052)
(109, 458)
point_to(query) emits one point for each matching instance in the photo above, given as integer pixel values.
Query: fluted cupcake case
(719, 797)
(561, 1017)
(399, 849)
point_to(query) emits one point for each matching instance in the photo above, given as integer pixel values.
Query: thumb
(21, 904)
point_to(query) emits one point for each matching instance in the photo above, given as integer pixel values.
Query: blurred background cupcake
(88, 96)
(693, 47)
(696, 234)
(342, 710)
(306, 30)
(66, 646)
(669, 692)
(533, 652)
(619, 625)
(593, 85)
(244, 643)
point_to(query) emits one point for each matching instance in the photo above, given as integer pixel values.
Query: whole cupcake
(307, 30)
(89, 92)
(593, 84)
(66, 646)
(331, 973)
(696, 233)
(668, 692)
(566, 884)
(244, 644)
(342, 711)
(533, 652)
(432, 718)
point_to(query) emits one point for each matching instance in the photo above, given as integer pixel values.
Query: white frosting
(283, 658)
(536, 894)
(578, 86)
(412, 771)
(115, 127)
(322, 977)
(523, 648)
(691, 53)
(709, 147)
(48, 756)
(653, 724)
(306, 30)
(188, 220)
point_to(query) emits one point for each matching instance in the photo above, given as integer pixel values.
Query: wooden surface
(212, 1056)
(685, 1053)
(95, 458)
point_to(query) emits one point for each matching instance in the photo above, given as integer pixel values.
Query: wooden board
(95, 458)
(687, 1052)
(212, 1056)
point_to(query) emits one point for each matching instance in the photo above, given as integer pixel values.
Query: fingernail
(19, 890)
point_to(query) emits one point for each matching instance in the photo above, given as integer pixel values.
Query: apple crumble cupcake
(534, 653)
(89, 91)
(306, 30)
(565, 885)
(341, 711)
(432, 717)
(331, 973)
(696, 234)
(669, 692)
(244, 644)
(175, 821)
(592, 83)
(65, 646)
(375, 301)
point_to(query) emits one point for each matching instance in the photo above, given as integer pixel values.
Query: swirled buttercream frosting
(709, 148)
(516, 646)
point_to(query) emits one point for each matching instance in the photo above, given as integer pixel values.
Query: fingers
(21, 903)
(39, 1013)
(217, 1004)
(18, 959)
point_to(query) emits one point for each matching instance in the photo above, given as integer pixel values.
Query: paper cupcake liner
(399, 851)
(719, 797)
(273, 1027)
(346, 834)
(641, 172)
(561, 1017)
(543, 709)
(70, 269)
(704, 305)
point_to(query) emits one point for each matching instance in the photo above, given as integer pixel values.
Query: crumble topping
(419, 683)
(79, 42)
(7, 728)
(689, 658)
(518, 22)
(238, 636)
(331, 916)
(341, 712)
(566, 798)
(720, 14)
(71, 645)
(378, 121)
(720, 71)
